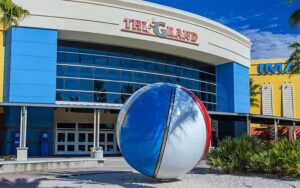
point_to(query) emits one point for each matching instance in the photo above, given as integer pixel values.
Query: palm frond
(254, 91)
(11, 13)
(295, 19)
(295, 57)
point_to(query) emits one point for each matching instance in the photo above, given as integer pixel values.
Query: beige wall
(61, 116)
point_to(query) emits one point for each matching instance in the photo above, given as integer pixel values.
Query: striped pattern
(163, 131)
(288, 100)
(267, 100)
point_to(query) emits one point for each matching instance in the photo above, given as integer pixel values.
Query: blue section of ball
(142, 131)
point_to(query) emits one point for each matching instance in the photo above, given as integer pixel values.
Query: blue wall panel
(40, 120)
(30, 67)
(225, 80)
(233, 93)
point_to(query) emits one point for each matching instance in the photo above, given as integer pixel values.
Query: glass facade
(110, 74)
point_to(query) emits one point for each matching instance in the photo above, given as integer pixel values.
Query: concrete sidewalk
(45, 164)
(117, 173)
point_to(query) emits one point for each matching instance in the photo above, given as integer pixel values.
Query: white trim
(89, 104)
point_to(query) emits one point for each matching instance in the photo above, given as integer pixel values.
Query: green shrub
(248, 154)
(281, 158)
(233, 155)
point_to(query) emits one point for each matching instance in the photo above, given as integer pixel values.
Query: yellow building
(279, 91)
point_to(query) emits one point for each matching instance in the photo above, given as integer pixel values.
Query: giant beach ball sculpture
(163, 131)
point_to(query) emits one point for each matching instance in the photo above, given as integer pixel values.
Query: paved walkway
(117, 173)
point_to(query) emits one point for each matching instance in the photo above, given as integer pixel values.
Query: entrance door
(85, 138)
(77, 138)
(108, 142)
(65, 138)
(85, 142)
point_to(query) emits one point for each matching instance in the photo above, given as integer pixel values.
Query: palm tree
(254, 91)
(11, 13)
(295, 56)
(295, 17)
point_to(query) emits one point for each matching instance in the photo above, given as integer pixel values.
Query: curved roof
(102, 21)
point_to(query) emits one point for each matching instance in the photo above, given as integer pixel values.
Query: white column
(275, 129)
(290, 132)
(248, 125)
(22, 153)
(294, 131)
(95, 127)
(96, 141)
(98, 128)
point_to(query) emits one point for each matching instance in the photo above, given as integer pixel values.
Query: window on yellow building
(288, 100)
(267, 99)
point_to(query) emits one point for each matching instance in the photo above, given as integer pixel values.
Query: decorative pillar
(98, 129)
(95, 127)
(248, 125)
(96, 140)
(22, 150)
(275, 130)
(294, 131)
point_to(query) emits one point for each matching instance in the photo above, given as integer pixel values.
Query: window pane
(71, 148)
(81, 137)
(71, 137)
(81, 147)
(95, 72)
(61, 137)
(61, 148)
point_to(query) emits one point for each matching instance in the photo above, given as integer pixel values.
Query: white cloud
(270, 45)
(244, 27)
(257, 15)
(272, 26)
(274, 18)
(226, 20)
(239, 18)
(223, 20)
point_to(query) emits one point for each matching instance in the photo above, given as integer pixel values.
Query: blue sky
(265, 22)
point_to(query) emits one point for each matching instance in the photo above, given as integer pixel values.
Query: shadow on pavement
(20, 182)
(127, 179)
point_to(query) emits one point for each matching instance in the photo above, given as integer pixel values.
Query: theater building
(279, 95)
(68, 68)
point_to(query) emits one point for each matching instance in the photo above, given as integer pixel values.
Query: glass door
(65, 138)
(108, 142)
(85, 142)
(65, 142)
(85, 138)
(77, 138)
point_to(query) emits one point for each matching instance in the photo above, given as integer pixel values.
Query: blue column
(30, 77)
(233, 95)
(233, 89)
(30, 65)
